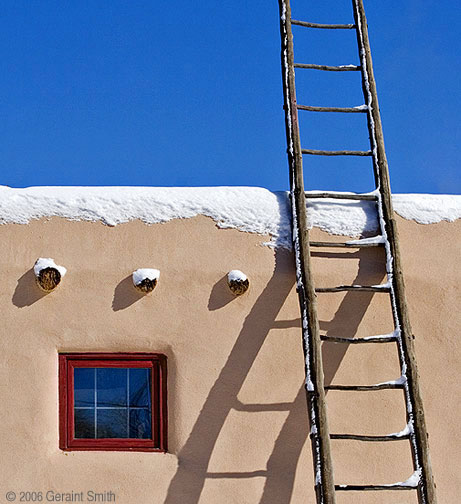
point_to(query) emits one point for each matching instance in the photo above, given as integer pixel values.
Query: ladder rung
(345, 244)
(328, 68)
(326, 26)
(357, 341)
(349, 196)
(367, 388)
(363, 288)
(357, 110)
(360, 437)
(365, 488)
(335, 153)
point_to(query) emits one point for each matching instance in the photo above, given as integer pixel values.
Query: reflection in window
(112, 403)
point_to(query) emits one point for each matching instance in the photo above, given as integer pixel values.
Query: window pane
(140, 387)
(84, 423)
(84, 387)
(111, 384)
(140, 424)
(112, 423)
(123, 400)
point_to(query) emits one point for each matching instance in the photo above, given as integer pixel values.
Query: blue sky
(181, 93)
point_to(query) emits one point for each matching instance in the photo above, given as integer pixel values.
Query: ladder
(422, 479)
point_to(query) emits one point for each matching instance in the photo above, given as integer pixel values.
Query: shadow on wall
(220, 295)
(125, 294)
(187, 484)
(27, 291)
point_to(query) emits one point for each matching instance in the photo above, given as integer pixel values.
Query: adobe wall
(237, 417)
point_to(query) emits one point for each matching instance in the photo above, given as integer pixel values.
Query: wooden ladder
(325, 487)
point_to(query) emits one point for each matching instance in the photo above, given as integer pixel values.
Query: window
(112, 402)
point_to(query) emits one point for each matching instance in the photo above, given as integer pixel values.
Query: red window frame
(157, 362)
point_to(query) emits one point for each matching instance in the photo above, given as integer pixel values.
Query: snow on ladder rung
(307, 24)
(411, 483)
(364, 288)
(341, 195)
(315, 152)
(372, 241)
(357, 341)
(368, 388)
(328, 68)
(362, 437)
(345, 244)
(366, 488)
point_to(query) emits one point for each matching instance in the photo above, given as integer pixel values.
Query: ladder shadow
(187, 484)
(282, 463)
(353, 307)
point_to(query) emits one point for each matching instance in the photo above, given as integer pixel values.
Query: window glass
(140, 423)
(84, 423)
(111, 386)
(140, 392)
(84, 387)
(112, 403)
(111, 423)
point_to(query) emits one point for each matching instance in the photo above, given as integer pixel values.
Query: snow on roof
(251, 209)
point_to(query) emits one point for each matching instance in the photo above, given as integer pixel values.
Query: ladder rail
(414, 405)
(315, 391)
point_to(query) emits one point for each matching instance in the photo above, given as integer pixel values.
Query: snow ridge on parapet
(250, 209)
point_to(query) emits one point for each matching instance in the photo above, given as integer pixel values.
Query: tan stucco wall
(237, 417)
